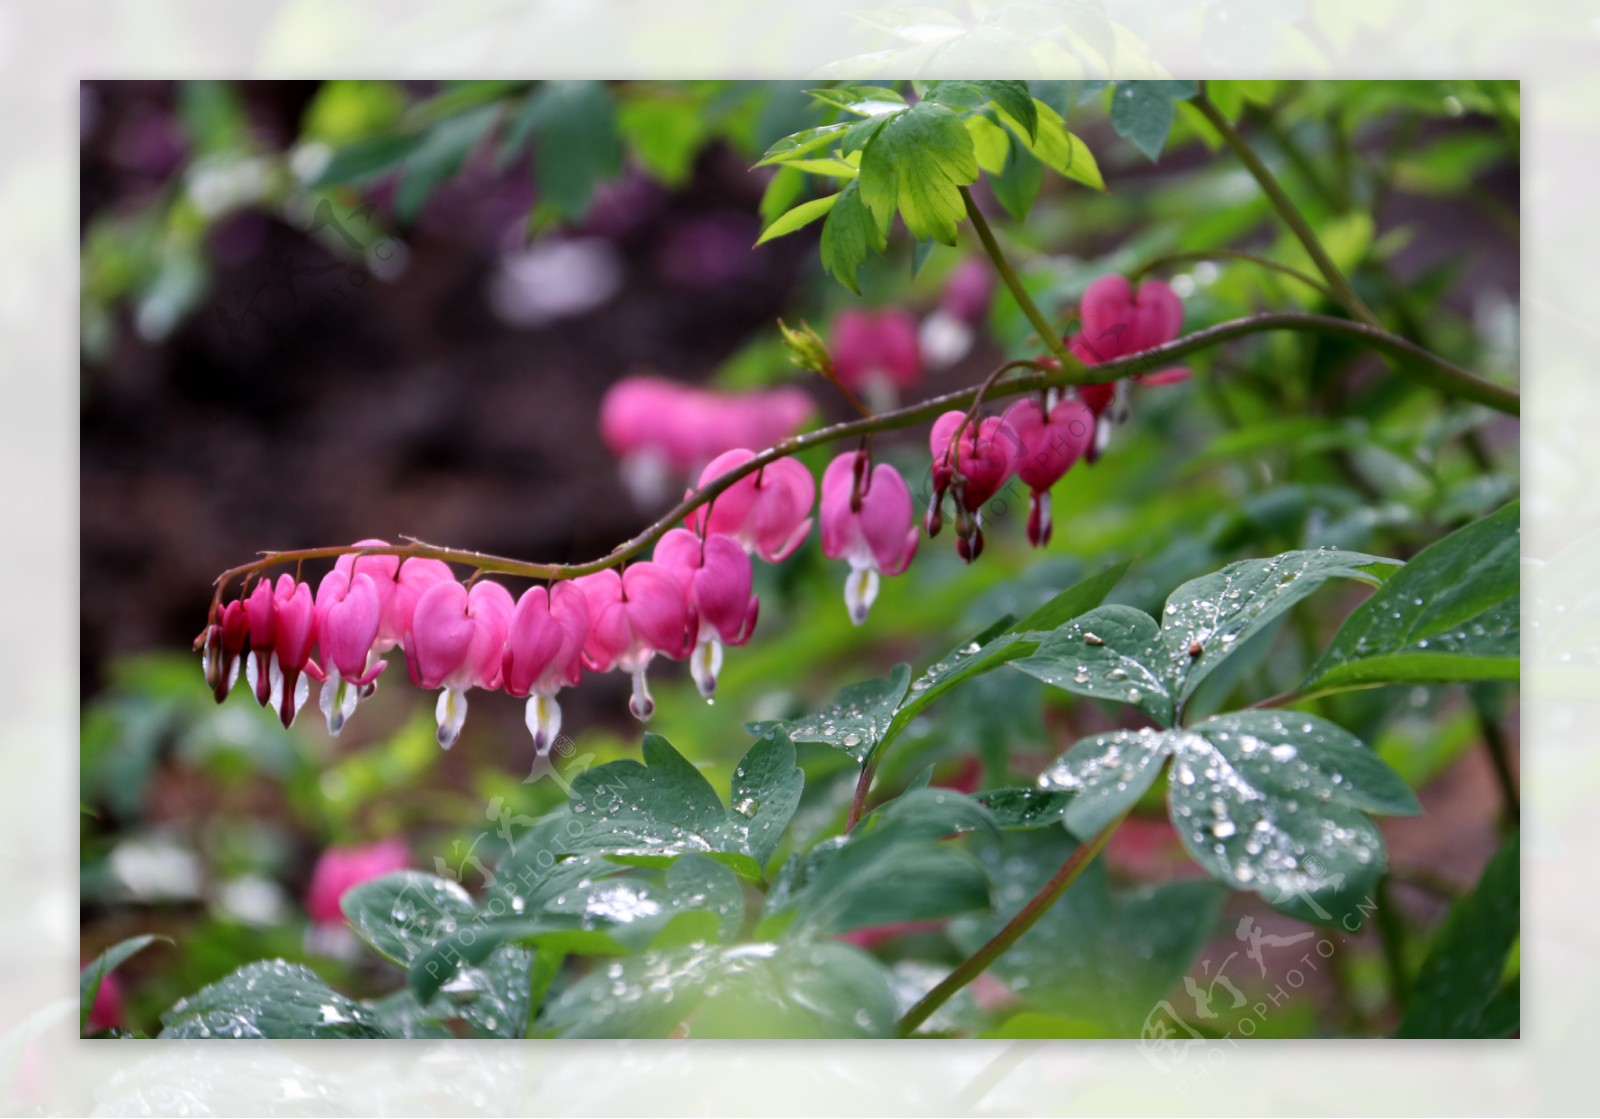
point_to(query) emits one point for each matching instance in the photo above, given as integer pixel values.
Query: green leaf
(665, 130)
(1018, 182)
(847, 236)
(1002, 644)
(1100, 958)
(1451, 613)
(1270, 801)
(1218, 612)
(402, 913)
(893, 867)
(1458, 991)
(663, 808)
(1025, 808)
(575, 123)
(765, 793)
(1113, 652)
(93, 973)
(1058, 149)
(1011, 97)
(365, 159)
(862, 100)
(857, 719)
(915, 163)
(803, 143)
(1142, 111)
(783, 191)
(761, 990)
(798, 218)
(1105, 776)
(270, 999)
(442, 152)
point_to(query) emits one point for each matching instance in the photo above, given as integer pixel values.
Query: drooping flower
(947, 333)
(768, 512)
(283, 630)
(456, 643)
(983, 460)
(339, 869)
(876, 355)
(664, 431)
(224, 644)
(543, 654)
(632, 617)
(261, 619)
(1119, 322)
(875, 531)
(349, 612)
(716, 579)
(1047, 448)
(411, 581)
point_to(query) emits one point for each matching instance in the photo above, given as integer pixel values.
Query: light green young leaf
(797, 218)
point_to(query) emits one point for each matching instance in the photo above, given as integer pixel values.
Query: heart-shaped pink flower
(877, 535)
(1048, 446)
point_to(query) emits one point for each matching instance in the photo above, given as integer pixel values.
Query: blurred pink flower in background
(106, 1012)
(342, 868)
(948, 332)
(664, 431)
(876, 355)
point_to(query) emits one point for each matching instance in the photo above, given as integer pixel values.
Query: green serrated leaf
(862, 100)
(798, 218)
(270, 999)
(1457, 992)
(1011, 97)
(766, 790)
(1142, 111)
(1451, 613)
(1058, 149)
(916, 163)
(848, 234)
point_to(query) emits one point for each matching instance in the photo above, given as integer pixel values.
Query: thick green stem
(1048, 334)
(1421, 365)
(975, 964)
(1287, 211)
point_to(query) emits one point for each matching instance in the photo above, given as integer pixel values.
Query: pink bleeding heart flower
(1117, 323)
(283, 630)
(543, 654)
(876, 532)
(661, 429)
(767, 512)
(411, 581)
(224, 643)
(340, 869)
(1047, 448)
(947, 334)
(716, 578)
(261, 619)
(349, 612)
(983, 461)
(456, 642)
(632, 617)
(876, 354)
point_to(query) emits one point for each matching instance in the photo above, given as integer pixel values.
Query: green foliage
(1099, 958)
(575, 126)
(1141, 112)
(1461, 990)
(1452, 613)
(93, 973)
(270, 998)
